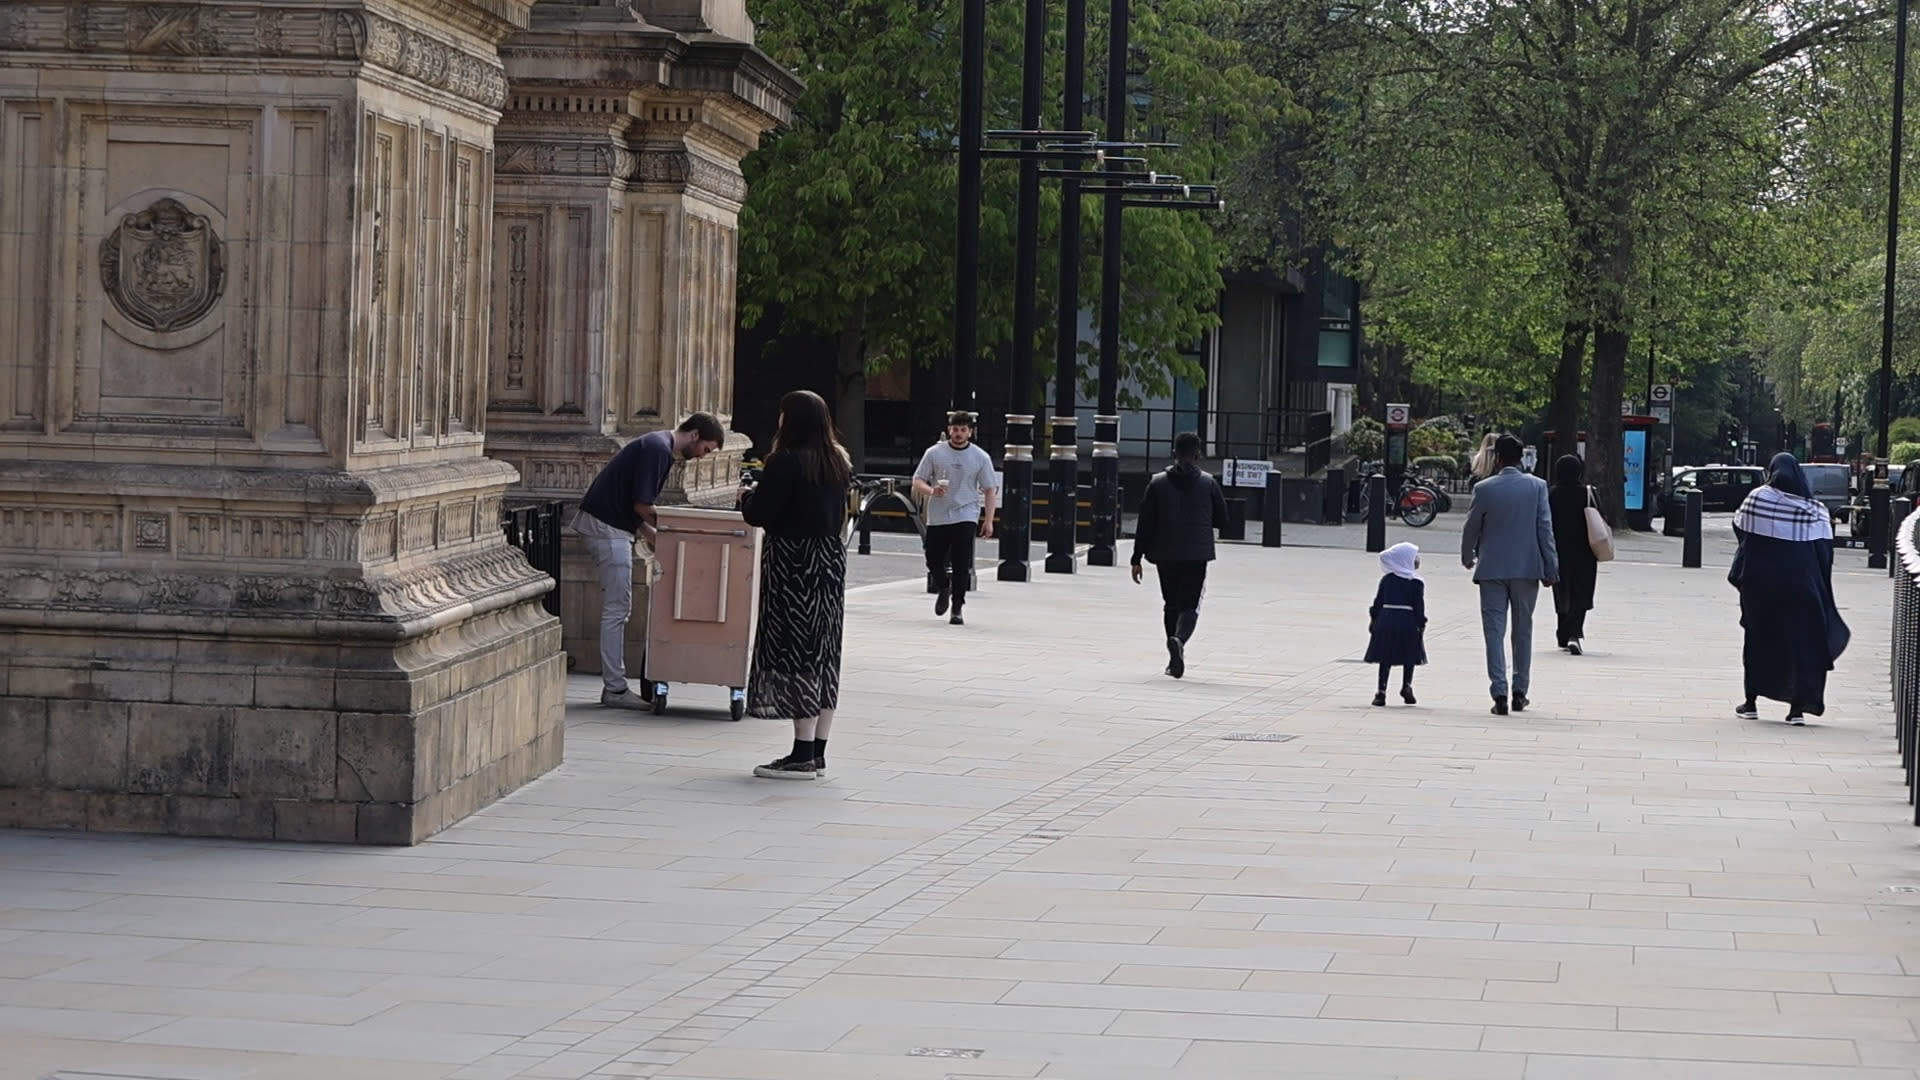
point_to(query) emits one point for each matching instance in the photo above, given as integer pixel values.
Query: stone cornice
(262, 31)
(312, 487)
(646, 59)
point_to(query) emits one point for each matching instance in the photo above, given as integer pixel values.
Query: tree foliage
(848, 228)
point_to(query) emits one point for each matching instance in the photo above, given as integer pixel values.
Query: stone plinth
(617, 197)
(252, 578)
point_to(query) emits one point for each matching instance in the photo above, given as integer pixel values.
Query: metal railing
(1148, 433)
(534, 528)
(1906, 654)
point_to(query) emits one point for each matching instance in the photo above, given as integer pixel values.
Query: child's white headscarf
(1399, 560)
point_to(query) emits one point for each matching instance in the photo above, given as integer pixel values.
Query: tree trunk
(1604, 449)
(850, 382)
(1563, 411)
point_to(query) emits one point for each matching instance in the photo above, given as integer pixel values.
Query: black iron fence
(1906, 654)
(534, 528)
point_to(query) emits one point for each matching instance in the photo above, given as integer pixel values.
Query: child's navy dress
(1399, 622)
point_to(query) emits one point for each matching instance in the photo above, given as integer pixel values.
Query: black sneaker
(1520, 703)
(1574, 647)
(786, 768)
(1499, 706)
(1796, 719)
(1176, 658)
(940, 602)
(955, 619)
(1380, 699)
(1406, 695)
(819, 768)
(1747, 710)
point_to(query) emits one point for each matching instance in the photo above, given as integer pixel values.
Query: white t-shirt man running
(956, 479)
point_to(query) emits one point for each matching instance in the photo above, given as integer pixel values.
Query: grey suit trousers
(1497, 597)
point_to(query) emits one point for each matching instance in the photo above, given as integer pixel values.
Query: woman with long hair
(1784, 571)
(1484, 464)
(801, 502)
(1569, 498)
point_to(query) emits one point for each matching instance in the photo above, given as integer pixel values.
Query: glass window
(1336, 349)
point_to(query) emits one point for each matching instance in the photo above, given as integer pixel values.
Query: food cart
(704, 602)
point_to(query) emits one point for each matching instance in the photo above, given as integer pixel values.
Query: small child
(1398, 621)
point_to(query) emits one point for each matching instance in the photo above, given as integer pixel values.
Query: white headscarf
(1399, 560)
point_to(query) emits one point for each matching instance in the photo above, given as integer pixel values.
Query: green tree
(847, 230)
(1646, 127)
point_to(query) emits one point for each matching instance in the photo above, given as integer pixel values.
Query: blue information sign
(1634, 465)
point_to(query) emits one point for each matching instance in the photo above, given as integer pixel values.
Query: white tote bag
(1599, 536)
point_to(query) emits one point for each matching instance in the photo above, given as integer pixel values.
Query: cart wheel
(738, 708)
(660, 700)
(737, 701)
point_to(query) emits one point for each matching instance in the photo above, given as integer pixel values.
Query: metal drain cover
(943, 1052)
(1903, 888)
(1258, 736)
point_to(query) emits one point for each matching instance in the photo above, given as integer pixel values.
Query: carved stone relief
(163, 268)
(150, 532)
(264, 31)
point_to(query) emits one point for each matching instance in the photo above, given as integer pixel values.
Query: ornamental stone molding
(254, 32)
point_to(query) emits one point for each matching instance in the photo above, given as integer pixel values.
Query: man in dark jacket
(1178, 514)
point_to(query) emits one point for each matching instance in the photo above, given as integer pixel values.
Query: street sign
(1627, 407)
(1529, 457)
(1840, 447)
(1246, 472)
(1663, 413)
(1398, 415)
(1662, 394)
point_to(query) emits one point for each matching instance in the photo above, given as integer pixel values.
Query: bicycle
(1415, 503)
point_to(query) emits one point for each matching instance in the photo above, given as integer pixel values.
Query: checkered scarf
(1768, 511)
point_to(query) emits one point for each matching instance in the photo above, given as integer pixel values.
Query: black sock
(819, 751)
(802, 750)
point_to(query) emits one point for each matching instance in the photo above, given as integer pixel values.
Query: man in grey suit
(1508, 544)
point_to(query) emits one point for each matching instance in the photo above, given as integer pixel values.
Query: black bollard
(1878, 534)
(1898, 510)
(1270, 512)
(1376, 513)
(1690, 547)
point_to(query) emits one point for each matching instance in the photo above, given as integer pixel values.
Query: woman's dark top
(785, 504)
(1578, 567)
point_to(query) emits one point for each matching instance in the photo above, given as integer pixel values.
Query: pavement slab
(1038, 856)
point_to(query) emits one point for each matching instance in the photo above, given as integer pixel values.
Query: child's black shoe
(1380, 699)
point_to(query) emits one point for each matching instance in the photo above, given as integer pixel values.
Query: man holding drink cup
(957, 481)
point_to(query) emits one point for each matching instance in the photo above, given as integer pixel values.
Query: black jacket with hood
(1178, 514)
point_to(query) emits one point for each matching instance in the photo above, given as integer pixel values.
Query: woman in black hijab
(1784, 571)
(1573, 594)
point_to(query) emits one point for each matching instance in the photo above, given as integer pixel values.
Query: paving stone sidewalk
(1037, 856)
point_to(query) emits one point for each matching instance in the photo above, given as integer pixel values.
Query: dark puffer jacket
(1178, 514)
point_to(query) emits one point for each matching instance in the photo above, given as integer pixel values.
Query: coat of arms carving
(163, 268)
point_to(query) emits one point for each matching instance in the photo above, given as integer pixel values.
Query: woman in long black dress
(1784, 571)
(1579, 570)
(801, 501)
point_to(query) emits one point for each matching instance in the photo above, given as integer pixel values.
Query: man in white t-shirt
(957, 481)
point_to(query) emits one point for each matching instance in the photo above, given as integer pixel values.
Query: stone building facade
(252, 576)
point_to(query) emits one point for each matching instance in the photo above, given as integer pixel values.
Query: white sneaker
(623, 699)
(1574, 647)
(1796, 719)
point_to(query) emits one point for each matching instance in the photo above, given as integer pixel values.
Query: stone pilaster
(252, 577)
(618, 190)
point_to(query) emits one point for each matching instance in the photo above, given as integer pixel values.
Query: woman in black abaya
(1784, 571)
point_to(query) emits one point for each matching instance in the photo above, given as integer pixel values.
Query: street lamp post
(1016, 516)
(1063, 468)
(1106, 419)
(1877, 517)
(966, 277)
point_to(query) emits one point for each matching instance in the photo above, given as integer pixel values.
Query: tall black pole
(1063, 470)
(1016, 519)
(966, 252)
(1106, 420)
(1876, 533)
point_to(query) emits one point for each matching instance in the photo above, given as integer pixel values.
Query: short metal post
(1878, 533)
(866, 533)
(1690, 547)
(1270, 512)
(1376, 513)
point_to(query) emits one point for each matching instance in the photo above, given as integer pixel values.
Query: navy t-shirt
(635, 475)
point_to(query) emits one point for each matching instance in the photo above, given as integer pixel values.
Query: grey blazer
(1509, 531)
